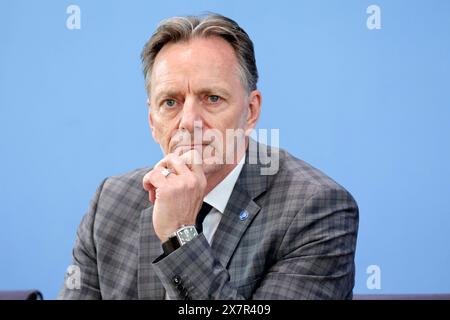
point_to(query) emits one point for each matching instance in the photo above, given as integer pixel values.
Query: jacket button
(180, 287)
(176, 280)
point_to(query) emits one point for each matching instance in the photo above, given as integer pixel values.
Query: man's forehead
(200, 63)
(192, 61)
(198, 45)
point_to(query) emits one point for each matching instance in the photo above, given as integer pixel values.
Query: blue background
(368, 107)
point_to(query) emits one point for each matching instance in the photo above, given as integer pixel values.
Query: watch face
(186, 234)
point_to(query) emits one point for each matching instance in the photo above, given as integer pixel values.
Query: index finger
(193, 160)
(174, 162)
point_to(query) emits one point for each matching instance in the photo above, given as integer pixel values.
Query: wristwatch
(180, 237)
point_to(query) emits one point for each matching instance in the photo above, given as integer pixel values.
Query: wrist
(180, 237)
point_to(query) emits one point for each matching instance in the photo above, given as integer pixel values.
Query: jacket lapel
(149, 285)
(241, 209)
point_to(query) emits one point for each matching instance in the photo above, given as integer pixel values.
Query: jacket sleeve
(81, 281)
(314, 261)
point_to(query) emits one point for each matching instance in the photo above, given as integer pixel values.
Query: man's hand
(176, 198)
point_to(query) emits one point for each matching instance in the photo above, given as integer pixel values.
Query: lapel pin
(243, 215)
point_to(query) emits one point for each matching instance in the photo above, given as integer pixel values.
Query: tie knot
(204, 210)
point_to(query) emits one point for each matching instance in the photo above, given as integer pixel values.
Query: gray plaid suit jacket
(297, 242)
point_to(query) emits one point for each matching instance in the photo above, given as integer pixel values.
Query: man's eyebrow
(166, 93)
(219, 90)
(214, 90)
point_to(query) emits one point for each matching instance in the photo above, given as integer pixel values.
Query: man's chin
(212, 165)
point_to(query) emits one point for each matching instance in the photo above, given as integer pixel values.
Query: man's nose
(191, 116)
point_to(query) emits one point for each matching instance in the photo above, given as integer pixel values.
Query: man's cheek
(162, 135)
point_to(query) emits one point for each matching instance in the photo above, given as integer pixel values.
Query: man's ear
(254, 110)
(151, 122)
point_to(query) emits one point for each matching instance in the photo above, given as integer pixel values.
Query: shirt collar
(219, 196)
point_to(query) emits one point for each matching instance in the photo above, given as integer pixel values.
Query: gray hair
(185, 28)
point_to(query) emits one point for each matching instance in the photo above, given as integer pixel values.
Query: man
(207, 222)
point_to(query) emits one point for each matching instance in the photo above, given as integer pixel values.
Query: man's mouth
(192, 145)
(186, 147)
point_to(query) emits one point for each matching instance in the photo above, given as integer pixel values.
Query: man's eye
(170, 103)
(213, 99)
